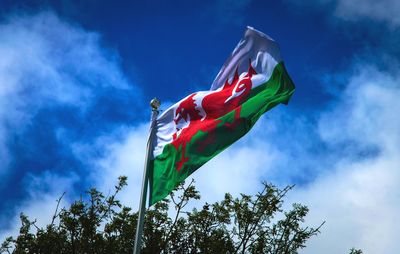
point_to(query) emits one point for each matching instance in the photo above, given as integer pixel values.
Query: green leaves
(101, 224)
(355, 251)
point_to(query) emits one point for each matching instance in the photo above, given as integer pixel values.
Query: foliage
(355, 251)
(101, 224)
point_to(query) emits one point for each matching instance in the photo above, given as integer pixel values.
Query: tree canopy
(101, 224)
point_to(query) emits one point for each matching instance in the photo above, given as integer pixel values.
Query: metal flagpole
(155, 103)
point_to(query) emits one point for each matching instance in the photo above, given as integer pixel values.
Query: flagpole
(154, 103)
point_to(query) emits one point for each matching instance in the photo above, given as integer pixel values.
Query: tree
(101, 224)
(355, 251)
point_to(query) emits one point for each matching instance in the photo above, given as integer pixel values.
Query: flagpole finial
(155, 103)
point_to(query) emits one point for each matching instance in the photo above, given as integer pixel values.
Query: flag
(200, 126)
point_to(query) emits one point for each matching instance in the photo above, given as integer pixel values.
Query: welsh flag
(200, 126)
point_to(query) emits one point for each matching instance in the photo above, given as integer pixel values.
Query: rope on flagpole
(155, 104)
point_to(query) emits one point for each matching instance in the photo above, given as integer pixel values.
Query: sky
(76, 78)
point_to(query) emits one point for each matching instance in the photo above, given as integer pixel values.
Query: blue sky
(76, 78)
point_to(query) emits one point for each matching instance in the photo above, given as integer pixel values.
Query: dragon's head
(186, 110)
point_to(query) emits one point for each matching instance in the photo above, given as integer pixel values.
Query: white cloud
(385, 11)
(125, 157)
(45, 61)
(382, 11)
(43, 192)
(359, 199)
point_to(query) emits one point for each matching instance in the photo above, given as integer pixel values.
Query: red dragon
(214, 105)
